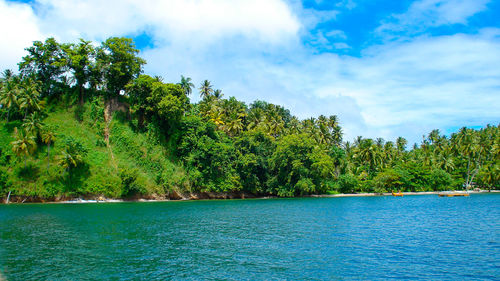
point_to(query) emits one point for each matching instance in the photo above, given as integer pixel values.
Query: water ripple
(372, 238)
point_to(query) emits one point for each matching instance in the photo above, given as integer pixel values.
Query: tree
(206, 89)
(23, 145)
(218, 94)
(33, 124)
(45, 63)
(9, 91)
(117, 58)
(29, 96)
(48, 137)
(170, 101)
(79, 60)
(73, 154)
(299, 166)
(186, 85)
(140, 99)
(401, 144)
(467, 147)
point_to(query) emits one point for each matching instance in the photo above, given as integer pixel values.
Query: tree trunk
(468, 175)
(48, 157)
(81, 95)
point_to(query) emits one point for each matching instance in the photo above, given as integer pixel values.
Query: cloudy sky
(386, 68)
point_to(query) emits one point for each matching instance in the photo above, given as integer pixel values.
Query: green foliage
(166, 145)
(119, 63)
(390, 180)
(347, 183)
(45, 62)
(73, 154)
(129, 182)
(296, 158)
(440, 180)
(254, 150)
(3, 182)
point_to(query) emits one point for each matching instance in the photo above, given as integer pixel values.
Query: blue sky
(386, 68)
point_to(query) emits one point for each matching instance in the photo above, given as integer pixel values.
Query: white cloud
(423, 14)
(336, 34)
(398, 89)
(254, 51)
(341, 45)
(433, 81)
(19, 30)
(266, 20)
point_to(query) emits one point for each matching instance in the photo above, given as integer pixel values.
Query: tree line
(221, 144)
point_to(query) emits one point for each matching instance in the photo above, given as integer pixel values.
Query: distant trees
(221, 144)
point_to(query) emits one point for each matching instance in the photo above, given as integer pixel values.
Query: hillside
(131, 165)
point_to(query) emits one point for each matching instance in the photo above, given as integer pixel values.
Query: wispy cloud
(423, 14)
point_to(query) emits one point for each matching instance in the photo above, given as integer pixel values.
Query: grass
(104, 166)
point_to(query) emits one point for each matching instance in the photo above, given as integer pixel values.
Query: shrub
(348, 183)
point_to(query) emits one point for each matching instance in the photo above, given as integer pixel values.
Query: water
(369, 238)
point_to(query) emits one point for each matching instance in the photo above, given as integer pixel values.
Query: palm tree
(48, 137)
(401, 143)
(218, 94)
(369, 153)
(72, 155)
(66, 160)
(186, 85)
(29, 100)
(33, 124)
(23, 145)
(9, 91)
(206, 89)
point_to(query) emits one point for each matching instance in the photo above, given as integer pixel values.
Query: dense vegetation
(79, 120)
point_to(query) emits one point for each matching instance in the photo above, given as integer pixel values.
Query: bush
(304, 186)
(389, 180)
(348, 183)
(130, 186)
(3, 182)
(440, 180)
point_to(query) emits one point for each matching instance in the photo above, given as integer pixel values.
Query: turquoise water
(369, 238)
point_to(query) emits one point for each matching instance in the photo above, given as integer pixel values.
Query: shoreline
(223, 196)
(410, 193)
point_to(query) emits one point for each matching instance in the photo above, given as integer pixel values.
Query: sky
(386, 68)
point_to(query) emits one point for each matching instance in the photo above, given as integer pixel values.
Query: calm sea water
(370, 238)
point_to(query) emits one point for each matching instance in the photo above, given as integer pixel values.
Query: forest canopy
(81, 120)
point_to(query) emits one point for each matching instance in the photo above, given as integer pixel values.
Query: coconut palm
(9, 91)
(367, 152)
(23, 145)
(218, 94)
(33, 124)
(29, 97)
(48, 137)
(206, 89)
(186, 85)
(66, 160)
(73, 154)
